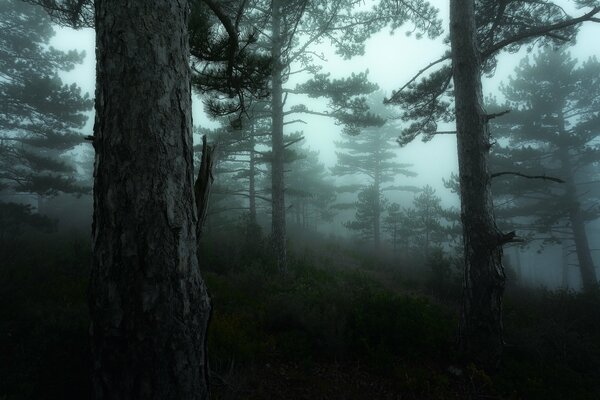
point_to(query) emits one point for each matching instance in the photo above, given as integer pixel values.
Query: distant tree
(295, 26)
(399, 223)
(310, 190)
(239, 171)
(428, 216)
(370, 154)
(479, 30)
(369, 207)
(40, 117)
(551, 131)
(421, 226)
(149, 306)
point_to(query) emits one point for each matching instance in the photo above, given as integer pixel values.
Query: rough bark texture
(481, 319)
(277, 173)
(148, 303)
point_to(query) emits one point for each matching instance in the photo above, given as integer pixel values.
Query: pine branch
(539, 31)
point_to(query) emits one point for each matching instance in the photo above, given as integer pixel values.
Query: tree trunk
(518, 267)
(377, 215)
(565, 266)
(148, 303)
(481, 318)
(277, 178)
(252, 180)
(582, 247)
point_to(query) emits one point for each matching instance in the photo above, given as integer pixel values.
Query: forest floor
(339, 325)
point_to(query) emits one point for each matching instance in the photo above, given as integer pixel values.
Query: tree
(369, 155)
(40, 117)
(399, 223)
(294, 27)
(310, 190)
(478, 31)
(428, 215)
(420, 226)
(551, 131)
(148, 303)
(369, 206)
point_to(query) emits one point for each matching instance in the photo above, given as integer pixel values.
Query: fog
(330, 242)
(391, 60)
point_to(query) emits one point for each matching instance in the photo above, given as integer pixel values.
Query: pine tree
(295, 26)
(310, 192)
(479, 30)
(369, 207)
(428, 215)
(370, 155)
(551, 132)
(40, 117)
(149, 306)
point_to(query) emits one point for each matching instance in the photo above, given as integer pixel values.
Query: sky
(391, 61)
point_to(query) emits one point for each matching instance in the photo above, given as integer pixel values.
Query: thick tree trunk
(148, 303)
(481, 319)
(277, 174)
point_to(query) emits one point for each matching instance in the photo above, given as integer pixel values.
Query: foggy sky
(391, 61)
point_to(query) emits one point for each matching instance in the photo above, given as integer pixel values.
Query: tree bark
(481, 317)
(277, 165)
(148, 303)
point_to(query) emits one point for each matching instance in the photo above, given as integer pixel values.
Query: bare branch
(543, 177)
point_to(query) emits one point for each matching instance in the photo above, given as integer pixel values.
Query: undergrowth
(329, 328)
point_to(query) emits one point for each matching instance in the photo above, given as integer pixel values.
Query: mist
(325, 199)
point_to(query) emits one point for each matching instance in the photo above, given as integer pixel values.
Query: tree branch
(544, 177)
(496, 115)
(541, 30)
